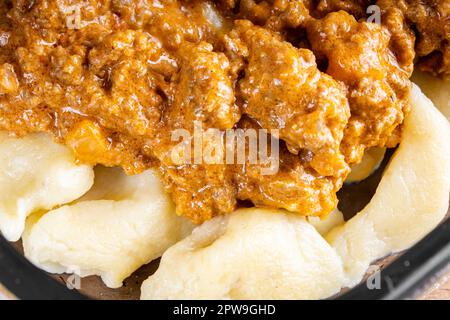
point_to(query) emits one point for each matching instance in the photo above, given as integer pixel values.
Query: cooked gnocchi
(436, 89)
(370, 162)
(323, 226)
(122, 223)
(418, 172)
(250, 254)
(37, 174)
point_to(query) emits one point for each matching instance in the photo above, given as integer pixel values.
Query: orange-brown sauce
(113, 78)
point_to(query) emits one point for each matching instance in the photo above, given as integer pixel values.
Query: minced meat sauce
(112, 79)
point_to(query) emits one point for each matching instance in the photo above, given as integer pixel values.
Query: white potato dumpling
(411, 199)
(369, 164)
(121, 224)
(249, 254)
(323, 226)
(36, 174)
(436, 89)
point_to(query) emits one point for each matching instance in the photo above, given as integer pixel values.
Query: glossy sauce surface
(112, 79)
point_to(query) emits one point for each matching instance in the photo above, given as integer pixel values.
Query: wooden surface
(440, 289)
(5, 294)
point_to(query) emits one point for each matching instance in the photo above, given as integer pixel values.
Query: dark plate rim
(401, 279)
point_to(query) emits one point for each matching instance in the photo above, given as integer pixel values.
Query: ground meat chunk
(8, 80)
(132, 69)
(227, 5)
(202, 96)
(294, 185)
(357, 8)
(116, 85)
(273, 14)
(200, 192)
(276, 14)
(51, 19)
(283, 89)
(358, 54)
(174, 21)
(204, 93)
(204, 90)
(67, 68)
(430, 20)
(402, 37)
